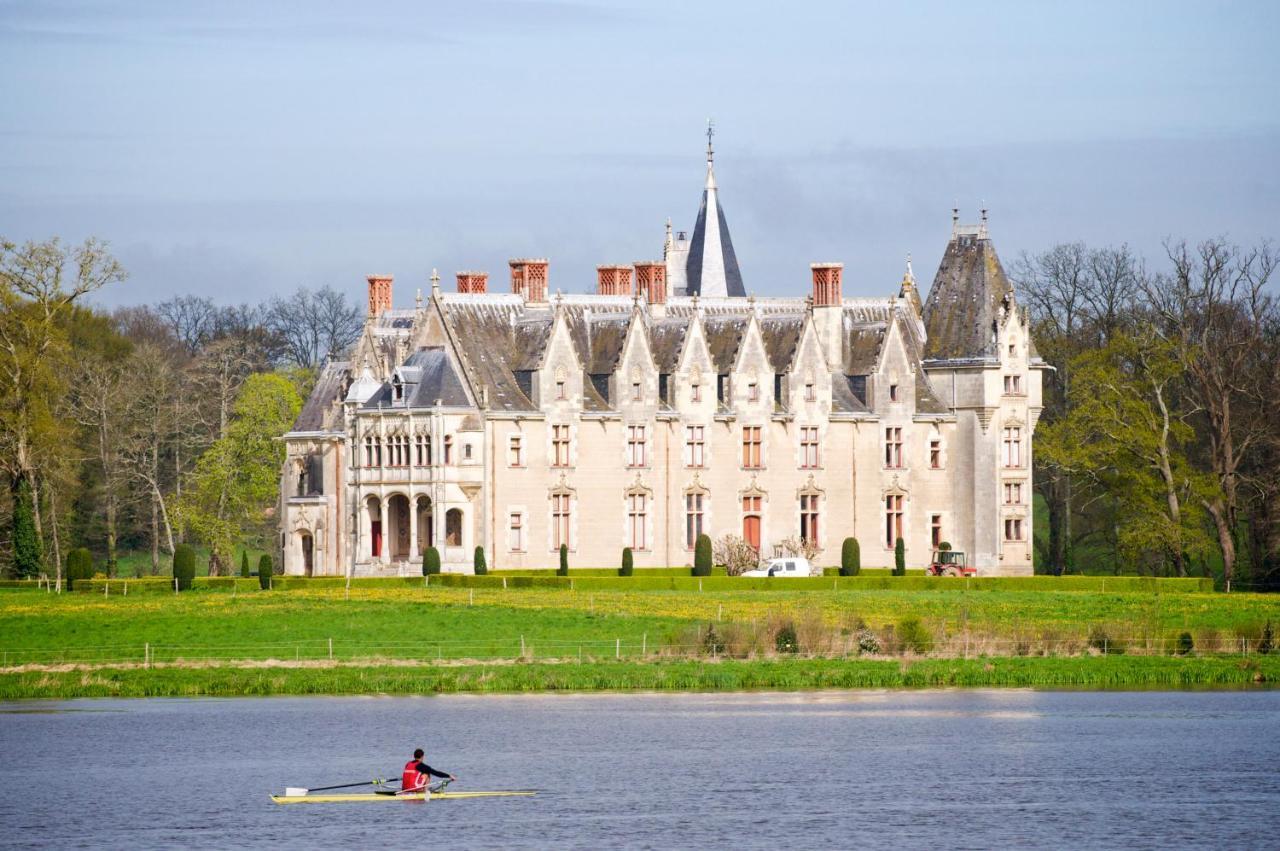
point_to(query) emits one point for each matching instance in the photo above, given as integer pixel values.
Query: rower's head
(418, 753)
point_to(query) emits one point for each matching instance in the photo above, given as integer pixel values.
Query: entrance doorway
(307, 554)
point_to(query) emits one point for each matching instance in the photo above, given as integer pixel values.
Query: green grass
(684, 675)
(138, 562)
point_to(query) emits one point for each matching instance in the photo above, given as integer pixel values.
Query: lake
(954, 769)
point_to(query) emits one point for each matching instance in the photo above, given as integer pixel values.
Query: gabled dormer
(751, 379)
(809, 380)
(695, 374)
(557, 376)
(635, 381)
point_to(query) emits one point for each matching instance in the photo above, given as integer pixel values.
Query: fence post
(504, 583)
(146, 655)
(105, 586)
(644, 645)
(126, 588)
(699, 585)
(471, 597)
(720, 612)
(175, 585)
(522, 646)
(617, 648)
(330, 649)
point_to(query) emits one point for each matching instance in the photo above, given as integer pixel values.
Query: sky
(239, 150)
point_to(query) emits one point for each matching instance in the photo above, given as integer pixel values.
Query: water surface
(954, 769)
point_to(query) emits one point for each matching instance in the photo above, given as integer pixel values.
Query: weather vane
(711, 131)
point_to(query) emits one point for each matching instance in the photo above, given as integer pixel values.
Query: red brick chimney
(651, 279)
(473, 282)
(529, 279)
(826, 284)
(379, 294)
(613, 280)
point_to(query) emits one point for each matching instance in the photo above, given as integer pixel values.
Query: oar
(298, 790)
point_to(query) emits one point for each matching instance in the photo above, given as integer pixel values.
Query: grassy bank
(682, 675)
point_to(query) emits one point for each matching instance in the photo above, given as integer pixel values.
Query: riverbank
(319, 678)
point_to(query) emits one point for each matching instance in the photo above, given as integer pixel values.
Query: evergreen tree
(564, 560)
(265, 568)
(478, 563)
(244, 564)
(702, 556)
(430, 562)
(27, 556)
(850, 557)
(184, 566)
(79, 566)
(899, 558)
(627, 566)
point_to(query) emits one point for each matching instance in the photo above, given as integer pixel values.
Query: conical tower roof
(712, 267)
(966, 298)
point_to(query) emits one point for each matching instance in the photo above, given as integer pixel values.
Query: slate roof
(712, 266)
(964, 301)
(322, 411)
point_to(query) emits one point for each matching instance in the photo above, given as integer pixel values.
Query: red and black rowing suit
(415, 775)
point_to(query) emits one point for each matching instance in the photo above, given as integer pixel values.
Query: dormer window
(893, 392)
(1012, 349)
(695, 392)
(722, 388)
(635, 391)
(753, 392)
(810, 394)
(560, 390)
(397, 389)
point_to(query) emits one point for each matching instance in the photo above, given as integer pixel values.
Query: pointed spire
(712, 267)
(711, 173)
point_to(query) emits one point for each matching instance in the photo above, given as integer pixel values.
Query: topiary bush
(899, 558)
(265, 567)
(478, 563)
(850, 557)
(244, 564)
(564, 561)
(184, 566)
(913, 635)
(702, 556)
(430, 562)
(627, 566)
(79, 566)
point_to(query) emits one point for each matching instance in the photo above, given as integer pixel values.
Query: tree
(79, 566)
(850, 557)
(244, 564)
(236, 482)
(315, 325)
(184, 566)
(430, 562)
(735, 553)
(265, 569)
(702, 556)
(478, 564)
(153, 433)
(1128, 430)
(28, 557)
(564, 560)
(899, 558)
(799, 548)
(628, 567)
(191, 320)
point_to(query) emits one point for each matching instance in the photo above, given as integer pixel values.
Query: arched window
(453, 527)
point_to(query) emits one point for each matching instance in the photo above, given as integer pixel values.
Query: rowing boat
(365, 797)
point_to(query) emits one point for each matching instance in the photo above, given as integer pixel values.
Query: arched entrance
(426, 525)
(307, 544)
(373, 516)
(453, 527)
(398, 527)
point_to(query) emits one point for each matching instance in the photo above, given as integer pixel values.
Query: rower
(417, 772)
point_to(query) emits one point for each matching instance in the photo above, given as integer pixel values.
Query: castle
(668, 404)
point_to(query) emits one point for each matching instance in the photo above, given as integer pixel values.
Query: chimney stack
(529, 279)
(651, 279)
(379, 294)
(613, 280)
(473, 282)
(826, 284)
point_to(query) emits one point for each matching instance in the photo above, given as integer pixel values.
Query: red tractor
(949, 563)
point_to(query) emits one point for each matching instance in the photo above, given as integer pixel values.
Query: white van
(786, 566)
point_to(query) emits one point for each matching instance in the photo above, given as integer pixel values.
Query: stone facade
(517, 421)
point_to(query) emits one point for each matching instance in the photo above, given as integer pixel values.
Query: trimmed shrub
(850, 557)
(712, 641)
(564, 561)
(913, 635)
(1185, 644)
(265, 568)
(79, 566)
(478, 565)
(627, 565)
(431, 562)
(899, 558)
(244, 564)
(702, 556)
(184, 566)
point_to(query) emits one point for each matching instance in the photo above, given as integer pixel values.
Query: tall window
(637, 520)
(693, 513)
(753, 392)
(1013, 528)
(422, 450)
(377, 452)
(400, 451)
(751, 508)
(892, 518)
(559, 520)
(448, 449)
(809, 517)
(751, 447)
(368, 451)
(515, 450)
(810, 394)
(1013, 493)
(560, 446)
(635, 391)
(695, 445)
(1013, 385)
(893, 447)
(809, 447)
(935, 530)
(515, 532)
(695, 392)
(935, 453)
(1013, 447)
(636, 446)
(560, 389)
(893, 392)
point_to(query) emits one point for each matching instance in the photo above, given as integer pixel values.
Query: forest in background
(1158, 450)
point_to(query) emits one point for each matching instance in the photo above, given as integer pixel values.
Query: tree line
(1158, 447)
(144, 427)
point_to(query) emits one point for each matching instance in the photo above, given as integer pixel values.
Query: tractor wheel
(952, 571)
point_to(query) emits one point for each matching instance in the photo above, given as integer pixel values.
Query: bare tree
(143, 453)
(191, 318)
(314, 325)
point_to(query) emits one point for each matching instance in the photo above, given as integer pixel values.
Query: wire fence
(708, 646)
